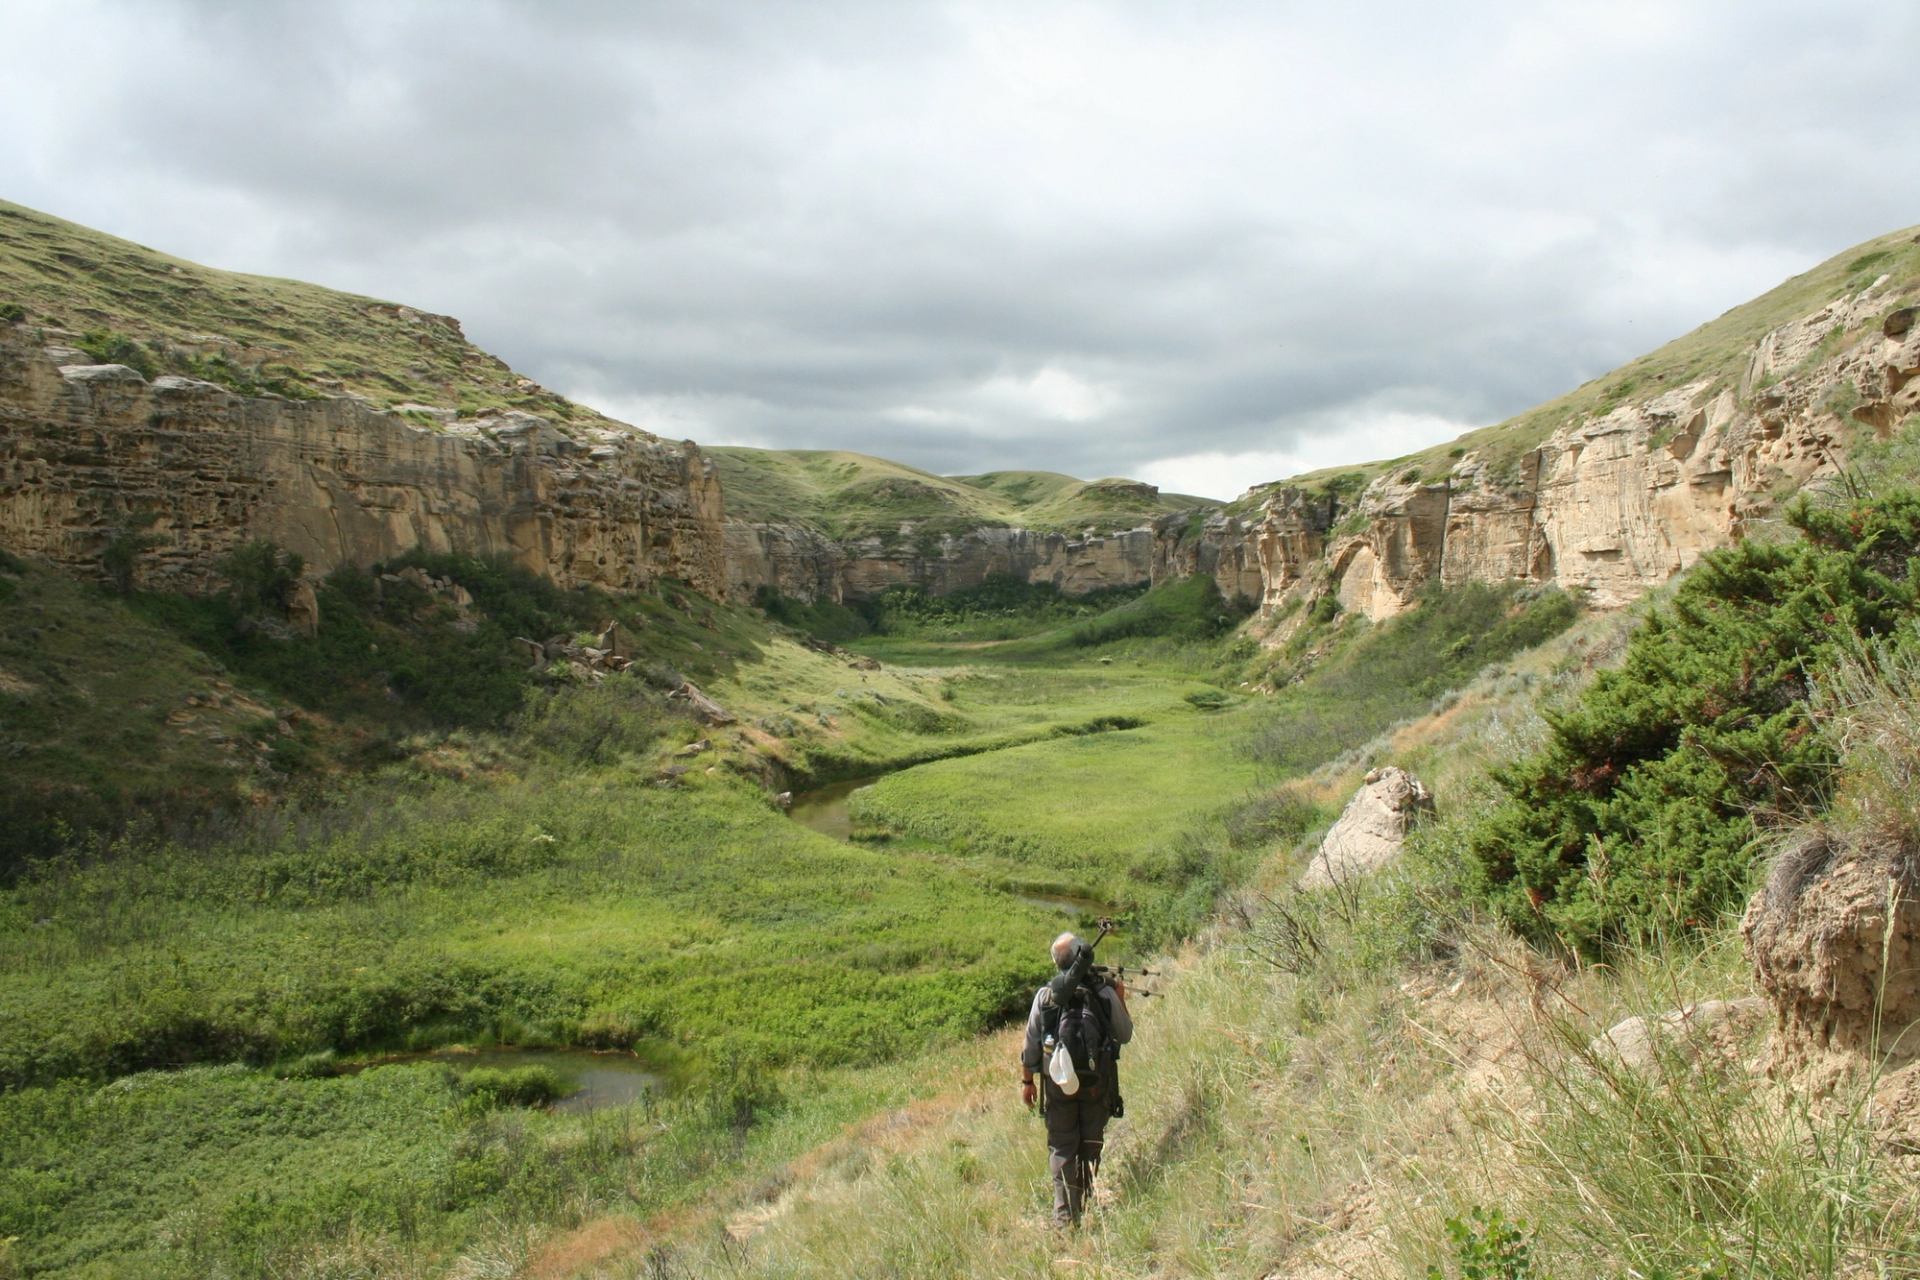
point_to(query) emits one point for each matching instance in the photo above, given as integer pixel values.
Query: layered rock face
(1611, 504)
(803, 563)
(88, 449)
(1615, 503)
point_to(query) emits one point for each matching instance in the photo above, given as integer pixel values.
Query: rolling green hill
(849, 494)
(127, 304)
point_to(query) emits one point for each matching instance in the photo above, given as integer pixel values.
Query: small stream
(594, 1079)
(825, 809)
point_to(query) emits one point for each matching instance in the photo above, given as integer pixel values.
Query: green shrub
(1637, 817)
(261, 577)
(130, 540)
(12, 313)
(596, 723)
(822, 618)
(1000, 607)
(489, 1088)
(1185, 609)
(109, 347)
(1487, 1246)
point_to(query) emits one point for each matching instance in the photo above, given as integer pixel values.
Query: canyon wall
(801, 562)
(89, 449)
(1611, 504)
(1615, 503)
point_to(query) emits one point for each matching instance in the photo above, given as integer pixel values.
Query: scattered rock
(560, 655)
(1720, 1025)
(614, 641)
(784, 799)
(695, 748)
(703, 706)
(1371, 829)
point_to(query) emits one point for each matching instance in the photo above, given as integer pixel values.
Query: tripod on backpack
(1079, 1046)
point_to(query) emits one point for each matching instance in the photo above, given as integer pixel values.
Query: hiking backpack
(1081, 1024)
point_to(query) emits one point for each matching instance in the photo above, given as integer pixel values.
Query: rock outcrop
(1721, 1027)
(1834, 938)
(1612, 503)
(88, 450)
(1615, 502)
(803, 563)
(1371, 829)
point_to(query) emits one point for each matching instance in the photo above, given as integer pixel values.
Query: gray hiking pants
(1074, 1137)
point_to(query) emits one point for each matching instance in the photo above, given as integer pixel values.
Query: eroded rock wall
(84, 449)
(800, 562)
(1616, 503)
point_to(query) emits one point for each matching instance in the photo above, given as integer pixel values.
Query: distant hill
(850, 494)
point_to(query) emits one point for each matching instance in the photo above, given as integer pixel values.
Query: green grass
(1371, 676)
(1105, 816)
(96, 727)
(848, 495)
(1001, 608)
(164, 707)
(253, 333)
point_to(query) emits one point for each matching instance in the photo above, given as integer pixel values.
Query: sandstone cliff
(1631, 479)
(87, 449)
(1613, 502)
(804, 563)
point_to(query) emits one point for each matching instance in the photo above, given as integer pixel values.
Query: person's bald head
(1063, 947)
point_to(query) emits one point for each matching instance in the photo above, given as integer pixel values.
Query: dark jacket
(1119, 1021)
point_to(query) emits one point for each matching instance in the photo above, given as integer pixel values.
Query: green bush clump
(1001, 607)
(111, 347)
(490, 1088)
(1638, 816)
(400, 656)
(822, 618)
(261, 576)
(1487, 1246)
(596, 723)
(248, 380)
(1185, 609)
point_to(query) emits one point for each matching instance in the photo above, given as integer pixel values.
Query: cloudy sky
(1206, 244)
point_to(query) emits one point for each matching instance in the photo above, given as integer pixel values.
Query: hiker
(1092, 1021)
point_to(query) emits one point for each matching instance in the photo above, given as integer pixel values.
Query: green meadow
(193, 1018)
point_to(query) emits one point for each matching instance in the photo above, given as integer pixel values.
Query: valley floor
(197, 1041)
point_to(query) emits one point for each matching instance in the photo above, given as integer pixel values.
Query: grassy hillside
(1718, 350)
(129, 304)
(168, 710)
(850, 494)
(1383, 1080)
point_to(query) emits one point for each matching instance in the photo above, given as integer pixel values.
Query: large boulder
(1371, 829)
(1834, 938)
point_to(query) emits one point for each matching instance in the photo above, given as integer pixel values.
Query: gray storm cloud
(1105, 239)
